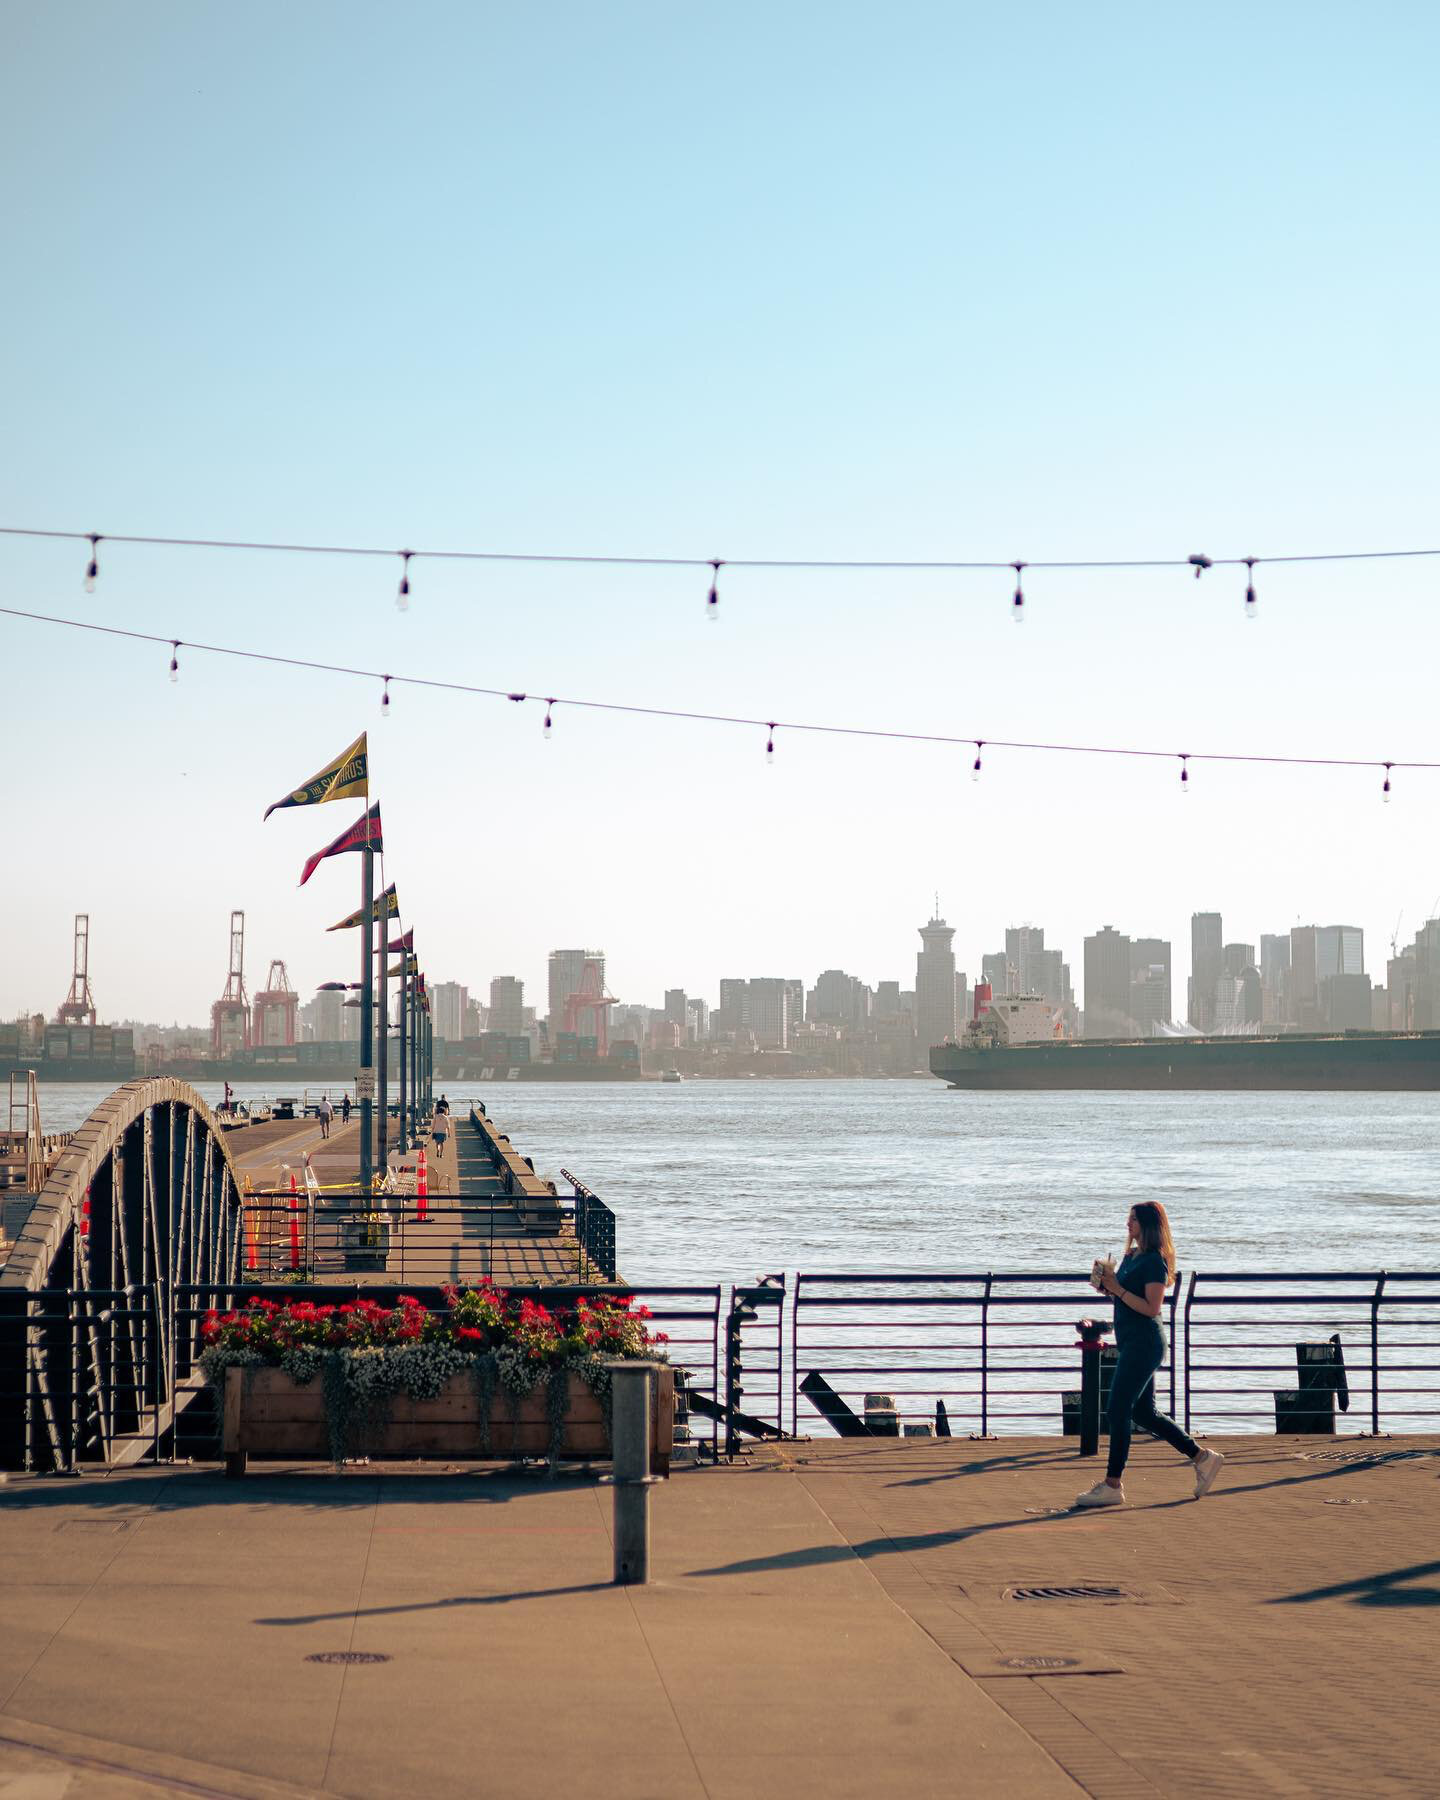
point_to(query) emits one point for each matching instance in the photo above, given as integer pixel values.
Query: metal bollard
(1091, 1332)
(630, 1384)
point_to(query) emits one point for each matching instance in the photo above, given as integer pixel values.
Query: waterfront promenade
(828, 1619)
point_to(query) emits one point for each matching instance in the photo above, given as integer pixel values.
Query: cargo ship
(1011, 1044)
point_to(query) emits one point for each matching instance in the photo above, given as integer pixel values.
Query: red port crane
(78, 1007)
(230, 1015)
(275, 1008)
(591, 1003)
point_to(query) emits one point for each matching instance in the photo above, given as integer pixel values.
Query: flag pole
(403, 1002)
(383, 1038)
(367, 1009)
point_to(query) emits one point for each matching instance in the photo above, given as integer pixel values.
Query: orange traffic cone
(422, 1187)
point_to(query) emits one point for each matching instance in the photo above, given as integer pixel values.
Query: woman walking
(1138, 1286)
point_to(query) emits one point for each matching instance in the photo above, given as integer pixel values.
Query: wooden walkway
(469, 1226)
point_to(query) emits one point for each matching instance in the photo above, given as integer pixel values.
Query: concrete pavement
(827, 1619)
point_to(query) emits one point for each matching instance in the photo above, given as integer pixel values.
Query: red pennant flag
(364, 834)
(403, 943)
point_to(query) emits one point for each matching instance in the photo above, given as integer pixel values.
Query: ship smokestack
(982, 998)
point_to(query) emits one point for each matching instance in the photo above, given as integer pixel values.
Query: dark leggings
(1132, 1402)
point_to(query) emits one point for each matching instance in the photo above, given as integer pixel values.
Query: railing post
(1375, 1355)
(630, 1387)
(1091, 1332)
(985, 1358)
(1189, 1302)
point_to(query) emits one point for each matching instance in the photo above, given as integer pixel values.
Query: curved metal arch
(123, 1126)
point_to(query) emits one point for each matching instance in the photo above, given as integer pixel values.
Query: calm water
(726, 1180)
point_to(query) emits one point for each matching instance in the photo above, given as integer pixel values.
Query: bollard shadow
(450, 1602)
(319, 1488)
(1389, 1588)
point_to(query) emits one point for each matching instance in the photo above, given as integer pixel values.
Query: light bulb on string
(1250, 603)
(92, 568)
(545, 728)
(175, 661)
(712, 603)
(402, 593)
(385, 697)
(975, 766)
(770, 744)
(1199, 564)
(1184, 776)
(1385, 791)
(1017, 607)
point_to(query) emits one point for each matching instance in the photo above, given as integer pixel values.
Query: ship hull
(1360, 1063)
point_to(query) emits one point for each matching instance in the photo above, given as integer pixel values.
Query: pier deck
(472, 1227)
(827, 1619)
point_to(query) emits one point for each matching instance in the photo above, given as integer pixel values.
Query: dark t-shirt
(1135, 1274)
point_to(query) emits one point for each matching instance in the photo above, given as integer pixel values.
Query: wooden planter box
(268, 1414)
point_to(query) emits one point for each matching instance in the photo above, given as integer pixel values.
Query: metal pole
(383, 1035)
(404, 1032)
(630, 1413)
(410, 970)
(1091, 1332)
(367, 1016)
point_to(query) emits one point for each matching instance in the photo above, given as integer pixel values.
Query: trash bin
(1070, 1398)
(882, 1418)
(1309, 1408)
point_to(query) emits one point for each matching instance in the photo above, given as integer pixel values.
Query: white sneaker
(1208, 1465)
(1102, 1494)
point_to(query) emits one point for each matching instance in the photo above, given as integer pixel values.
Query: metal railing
(594, 1227)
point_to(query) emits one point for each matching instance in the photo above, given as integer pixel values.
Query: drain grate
(1347, 1502)
(1363, 1459)
(347, 1656)
(1080, 1590)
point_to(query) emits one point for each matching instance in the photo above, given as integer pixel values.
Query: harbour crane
(78, 1007)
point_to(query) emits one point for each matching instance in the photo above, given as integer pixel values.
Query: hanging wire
(92, 569)
(694, 715)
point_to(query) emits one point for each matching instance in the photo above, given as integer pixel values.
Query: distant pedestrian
(440, 1130)
(327, 1113)
(1138, 1287)
(344, 1109)
(443, 1106)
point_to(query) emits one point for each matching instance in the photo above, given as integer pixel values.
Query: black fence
(112, 1376)
(594, 1226)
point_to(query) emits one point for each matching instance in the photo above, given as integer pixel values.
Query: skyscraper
(1150, 985)
(447, 1001)
(507, 1005)
(769, 1006)
(935, 1020)
(1206, 966)
(567, 971)
(1107, 984)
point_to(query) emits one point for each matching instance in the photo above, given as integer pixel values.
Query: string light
(770, 742)
(1200, 564)
(402, 593)
(1017, 609)
(92, 570)
(385, 697)
(1385, 791)
(1184, 775)
(175, 660)
(740, 720)
(712, 604)
(545, 728)
(1250, 605)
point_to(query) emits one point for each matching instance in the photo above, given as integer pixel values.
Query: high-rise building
(935, 1021)
(1317, 954)
(1150, 985)
(996, 969)
(770, 999)
(1235, 959)
(697, 1014)
(567, 974)
(887, 1000)
(507, 1005)
(733, 1013)
(1206, 967)
(839, 999)
(1275, 977)
(447, 1010)
(1107, 984)
(334, 1022)
(962, 1001)
(677, 1009)
(1339, 950)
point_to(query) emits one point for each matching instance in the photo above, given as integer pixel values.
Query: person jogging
(1138, 1286)
(327, 1113)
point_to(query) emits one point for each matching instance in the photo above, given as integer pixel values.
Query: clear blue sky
(813, 280)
